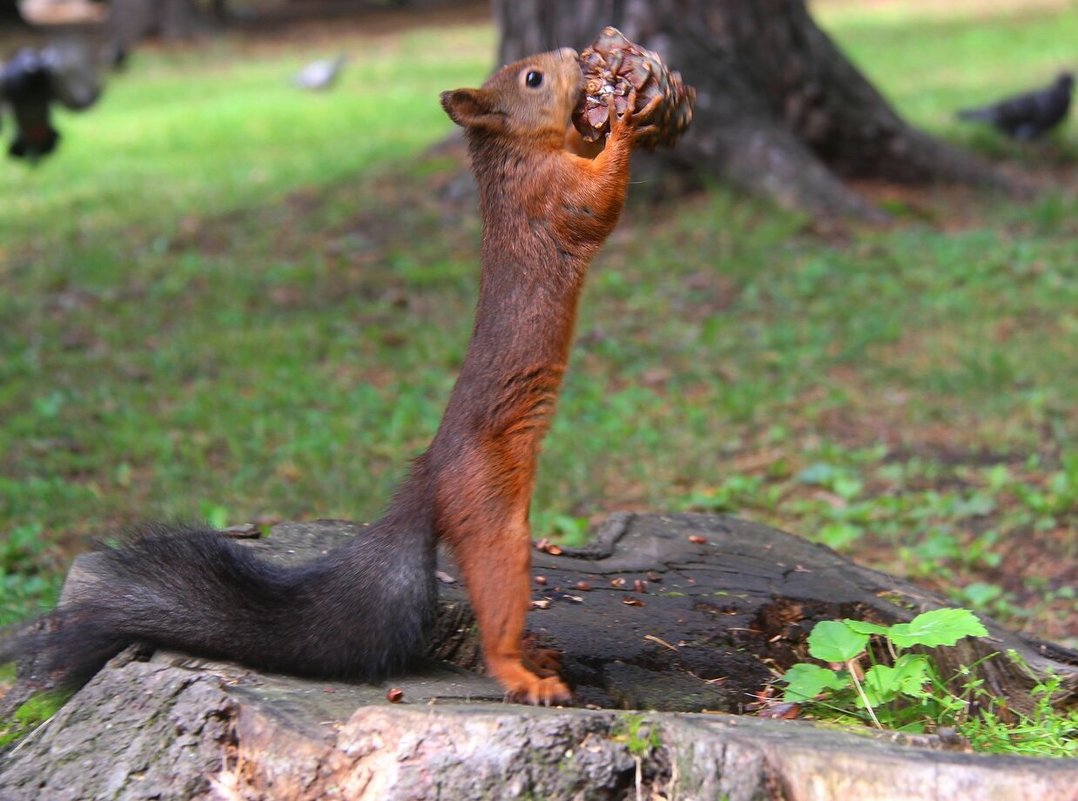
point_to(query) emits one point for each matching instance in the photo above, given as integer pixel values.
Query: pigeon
(26, 88)
(1030, 115)
(76, 82)
(32, 80)
(319, 75)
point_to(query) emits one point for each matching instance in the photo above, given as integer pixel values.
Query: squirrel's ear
(471, 108)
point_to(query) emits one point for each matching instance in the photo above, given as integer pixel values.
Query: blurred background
(239, 253)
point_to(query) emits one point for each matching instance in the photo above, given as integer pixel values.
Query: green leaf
(914, 670)
(884, 683)
(938, 627)
(864, 627)
(847, 488)
(833, 641)
(839, 535)
(572, 530)
(819, 473)
(216, 516)
(980, 593)
(881, 684)
(805, 682)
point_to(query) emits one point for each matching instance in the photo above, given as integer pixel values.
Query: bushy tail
(359, 611)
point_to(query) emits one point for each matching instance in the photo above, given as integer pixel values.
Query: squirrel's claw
(645, 113)
(633, 120)
(524, 686)
(541, 692)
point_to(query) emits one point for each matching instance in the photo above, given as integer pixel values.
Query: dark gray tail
(359, 611)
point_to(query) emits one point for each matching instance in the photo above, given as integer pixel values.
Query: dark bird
(1029, 115)
(35, 79)
(26, 87)
(320, 75)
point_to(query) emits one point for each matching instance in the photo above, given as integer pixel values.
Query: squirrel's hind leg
(496, 568)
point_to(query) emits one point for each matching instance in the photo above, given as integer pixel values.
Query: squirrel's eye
(534, 79)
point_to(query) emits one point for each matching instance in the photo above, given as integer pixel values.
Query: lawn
(228, 300)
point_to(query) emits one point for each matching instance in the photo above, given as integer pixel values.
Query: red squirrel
(362, 610)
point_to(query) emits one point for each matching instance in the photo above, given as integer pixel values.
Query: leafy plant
(901, 694)
(909, 694)
(1044, 732)
(637, 734)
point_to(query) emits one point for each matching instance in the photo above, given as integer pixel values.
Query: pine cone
(614, 65)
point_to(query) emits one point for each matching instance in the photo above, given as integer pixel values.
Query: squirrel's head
(526, 99)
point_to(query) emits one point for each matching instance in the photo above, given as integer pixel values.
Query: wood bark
(713, 617)
(142, 731)
(781, 111)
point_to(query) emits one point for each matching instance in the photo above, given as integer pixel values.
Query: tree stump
(716, 606)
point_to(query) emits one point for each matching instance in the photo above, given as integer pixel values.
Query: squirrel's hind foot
(524, 686)
(546, 691)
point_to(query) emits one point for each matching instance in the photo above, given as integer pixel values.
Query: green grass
(974, 57)
(202, 130)
(30, 714)
(229, 300)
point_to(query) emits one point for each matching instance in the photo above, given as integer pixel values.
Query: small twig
(861, 692)
(661, 642)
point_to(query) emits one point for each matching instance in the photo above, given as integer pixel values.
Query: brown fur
(546, 211)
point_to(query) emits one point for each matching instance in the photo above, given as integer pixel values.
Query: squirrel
(362, 610)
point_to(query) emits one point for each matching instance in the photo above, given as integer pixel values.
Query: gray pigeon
(320, 75)
(1027, 116)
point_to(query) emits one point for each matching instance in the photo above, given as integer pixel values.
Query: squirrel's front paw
(633, 122)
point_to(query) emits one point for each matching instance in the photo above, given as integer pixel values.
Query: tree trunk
(220, 10)
(781, 111)
(134, 20)
(178, 19)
